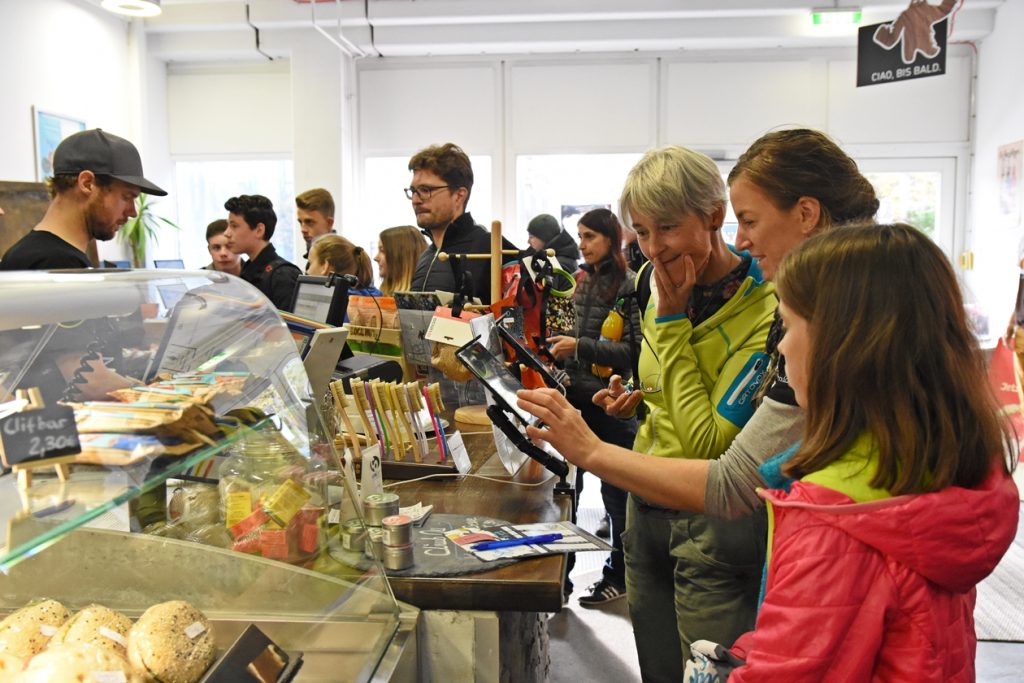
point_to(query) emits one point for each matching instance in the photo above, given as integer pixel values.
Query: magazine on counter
(573, 540)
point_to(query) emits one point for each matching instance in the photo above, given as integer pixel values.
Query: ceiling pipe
(342, 43)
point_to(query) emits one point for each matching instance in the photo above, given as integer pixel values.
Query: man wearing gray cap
(96, 178)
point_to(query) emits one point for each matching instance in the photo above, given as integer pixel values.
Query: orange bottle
(611, 331)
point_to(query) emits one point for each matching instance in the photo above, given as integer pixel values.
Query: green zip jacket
(709, 375)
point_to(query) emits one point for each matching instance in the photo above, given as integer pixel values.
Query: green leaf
(137, 232)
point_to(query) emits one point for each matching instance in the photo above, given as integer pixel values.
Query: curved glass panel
(204, 470)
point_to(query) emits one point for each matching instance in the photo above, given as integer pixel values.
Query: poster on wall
(50, 129)
(1009, 163)
(911, 46)
(572, 213)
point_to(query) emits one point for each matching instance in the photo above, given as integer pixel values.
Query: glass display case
(161, 442)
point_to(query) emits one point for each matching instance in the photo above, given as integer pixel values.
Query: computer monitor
(169, 263)
(319, 299)
(116, 264)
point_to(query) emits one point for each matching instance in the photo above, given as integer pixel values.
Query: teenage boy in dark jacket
(251, 223)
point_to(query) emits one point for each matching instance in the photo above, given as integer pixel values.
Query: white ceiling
(204, 30)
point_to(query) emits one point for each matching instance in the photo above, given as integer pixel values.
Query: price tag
(460, 456)
(194, 630)
(40, 434)
(108, 676)
(239, 506)
(286, 501)
(114, 636)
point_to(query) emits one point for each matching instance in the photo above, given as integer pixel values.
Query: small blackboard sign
(254, 657)
(38, 434)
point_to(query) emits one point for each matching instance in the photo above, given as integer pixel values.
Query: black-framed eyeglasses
(424, 191)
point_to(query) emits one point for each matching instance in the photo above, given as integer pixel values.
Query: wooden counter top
(533, 585)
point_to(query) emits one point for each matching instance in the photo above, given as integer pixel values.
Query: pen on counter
(512, 542)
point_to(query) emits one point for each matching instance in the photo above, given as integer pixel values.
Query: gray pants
(689, 577)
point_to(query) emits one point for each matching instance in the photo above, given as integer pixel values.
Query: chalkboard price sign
(41, 434)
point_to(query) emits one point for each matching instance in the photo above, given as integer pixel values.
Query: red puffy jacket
(876, 591)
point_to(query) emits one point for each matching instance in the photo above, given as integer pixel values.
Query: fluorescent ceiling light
(132, 8)
(833, 16)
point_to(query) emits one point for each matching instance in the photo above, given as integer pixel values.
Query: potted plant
(139, 231)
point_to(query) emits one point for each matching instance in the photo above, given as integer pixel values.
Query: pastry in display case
(170, 490)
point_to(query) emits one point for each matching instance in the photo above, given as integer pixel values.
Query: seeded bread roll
(10, 667)
(77, 663)
(172, 643)
(97, 625)
(26, 632)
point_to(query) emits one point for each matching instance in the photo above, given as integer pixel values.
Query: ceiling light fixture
(835, 16)
(132, 8)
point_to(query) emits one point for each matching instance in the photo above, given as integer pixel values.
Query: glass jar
(272, 499)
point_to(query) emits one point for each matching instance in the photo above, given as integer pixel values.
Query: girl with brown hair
(332, 253)
(398, 252)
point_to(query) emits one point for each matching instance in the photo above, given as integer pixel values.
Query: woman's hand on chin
(673, 297)
(564, 428)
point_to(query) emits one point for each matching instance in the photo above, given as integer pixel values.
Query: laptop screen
(169, 263)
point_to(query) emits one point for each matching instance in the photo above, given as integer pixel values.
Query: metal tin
(397, 530)
(353, 536)
(398, 557)
(374, 546)
(377, 506)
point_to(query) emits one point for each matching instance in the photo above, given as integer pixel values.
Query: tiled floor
(597, 644)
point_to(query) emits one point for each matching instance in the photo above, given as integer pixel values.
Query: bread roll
(171, 642)
(26, 632)
(97, 625)
(10, 666)
(77, 663)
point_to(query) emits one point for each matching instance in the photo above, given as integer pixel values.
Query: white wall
(629, 103)
(65, 57)
(70, 58)
(1000, 120)
(230, 110)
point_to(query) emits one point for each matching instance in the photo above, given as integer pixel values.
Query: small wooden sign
(256, 658)
(37, 433)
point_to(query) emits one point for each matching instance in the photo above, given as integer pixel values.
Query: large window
(919, 192)
(204, 186)
(383, 205)
(565, 185)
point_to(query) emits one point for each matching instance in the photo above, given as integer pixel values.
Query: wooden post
(495, 262)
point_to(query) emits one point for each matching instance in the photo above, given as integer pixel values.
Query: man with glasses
(442, 179)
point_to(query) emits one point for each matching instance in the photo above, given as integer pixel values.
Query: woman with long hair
(898, 500)
(603, 282)
(332, 253)
(398, 251)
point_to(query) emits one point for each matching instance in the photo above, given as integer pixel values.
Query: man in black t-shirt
(96, 178)
(251, 223)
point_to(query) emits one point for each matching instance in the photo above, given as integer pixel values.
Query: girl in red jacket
(898, 501)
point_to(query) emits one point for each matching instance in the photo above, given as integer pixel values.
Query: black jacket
(566, 251)
(463, 236)
(596, 295)
(274, 276)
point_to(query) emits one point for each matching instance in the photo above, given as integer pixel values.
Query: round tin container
(398, 557)
(353, 536)
(397, 530)
(374, 543)
(377, 506)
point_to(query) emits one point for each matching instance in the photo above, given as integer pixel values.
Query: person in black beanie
(546, 233)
